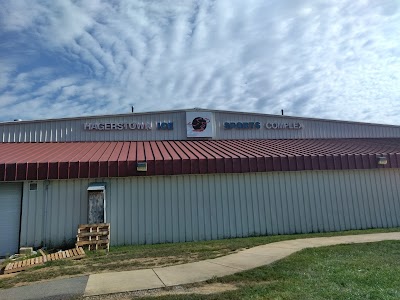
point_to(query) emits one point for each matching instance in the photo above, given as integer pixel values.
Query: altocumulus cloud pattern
(327, 59)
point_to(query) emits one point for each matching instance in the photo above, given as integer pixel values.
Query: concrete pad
(350, 239)
(192, 272)
(375, 237)
(126, 281)
(290, 244)
(390, 235)
(321, 242)
(245, 261)
(66, 288)
(328, 241)
(270, 250)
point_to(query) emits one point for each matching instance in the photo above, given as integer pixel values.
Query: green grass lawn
(353, 271)
(148, 256)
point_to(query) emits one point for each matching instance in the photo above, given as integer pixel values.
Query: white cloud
(6, 73)
(313, 58)
(19, 14)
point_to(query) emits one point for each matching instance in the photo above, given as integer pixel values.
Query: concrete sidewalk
(116, 282)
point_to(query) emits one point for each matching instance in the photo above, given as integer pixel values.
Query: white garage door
(10, 211)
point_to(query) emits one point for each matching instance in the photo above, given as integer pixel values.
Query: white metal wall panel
(313, 128)
(147, 210)
(10, 214)
(66, 130)
(203, 207)
(52, 213)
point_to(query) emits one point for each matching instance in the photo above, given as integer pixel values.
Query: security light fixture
(382, 160)
(141, 166)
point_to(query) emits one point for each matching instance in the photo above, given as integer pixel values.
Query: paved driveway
(59, 289)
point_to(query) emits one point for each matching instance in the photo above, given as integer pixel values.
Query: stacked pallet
(94, 236)
(37, 261)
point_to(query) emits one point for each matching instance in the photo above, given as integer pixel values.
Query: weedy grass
(147, 256)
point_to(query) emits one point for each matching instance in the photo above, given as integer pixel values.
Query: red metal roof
(37, 161)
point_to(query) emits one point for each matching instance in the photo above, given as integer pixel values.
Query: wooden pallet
(94, 236)
(37, 261)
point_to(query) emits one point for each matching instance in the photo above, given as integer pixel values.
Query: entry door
(96, 207)
(10, 212)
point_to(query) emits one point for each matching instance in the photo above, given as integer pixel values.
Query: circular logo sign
(199, 123)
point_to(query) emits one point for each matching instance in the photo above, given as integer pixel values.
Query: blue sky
(323, 59)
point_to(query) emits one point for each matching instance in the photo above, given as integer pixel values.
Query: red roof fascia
(39, 161)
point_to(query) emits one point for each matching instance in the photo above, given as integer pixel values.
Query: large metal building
(190, 175)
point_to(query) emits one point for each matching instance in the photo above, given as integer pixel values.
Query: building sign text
(242, 125)
(128, 126)
(283, 126)
(257, 125)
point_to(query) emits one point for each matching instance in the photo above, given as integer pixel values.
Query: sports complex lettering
(283, 126)
(242, 125)
(257, 125)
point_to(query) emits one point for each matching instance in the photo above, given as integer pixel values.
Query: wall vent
(33, 186)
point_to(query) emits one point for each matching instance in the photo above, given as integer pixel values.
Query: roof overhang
(41, 161)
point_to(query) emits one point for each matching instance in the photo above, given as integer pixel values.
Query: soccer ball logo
(199, 124)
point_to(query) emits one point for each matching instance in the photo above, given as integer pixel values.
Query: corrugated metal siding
(163, 209)
(72, 129)
(312, 128)
(53, 219)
